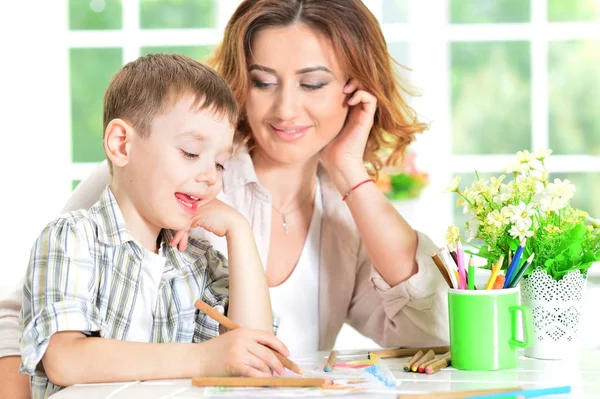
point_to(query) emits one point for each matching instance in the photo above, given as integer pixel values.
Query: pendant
(284, 224)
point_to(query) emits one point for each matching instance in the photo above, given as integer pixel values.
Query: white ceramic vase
(556, 307)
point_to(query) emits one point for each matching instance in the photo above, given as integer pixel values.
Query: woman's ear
(117, 138)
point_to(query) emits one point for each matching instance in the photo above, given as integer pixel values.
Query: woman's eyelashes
(268, 85)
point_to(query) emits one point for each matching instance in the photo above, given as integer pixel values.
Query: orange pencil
(499, 283)
(231, 325)
(495, 271)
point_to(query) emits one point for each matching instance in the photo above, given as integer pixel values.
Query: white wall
(35, 146)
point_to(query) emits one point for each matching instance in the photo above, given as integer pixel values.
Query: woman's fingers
(364, 97)
(351, 86)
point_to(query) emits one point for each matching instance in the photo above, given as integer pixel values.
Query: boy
(102, 278)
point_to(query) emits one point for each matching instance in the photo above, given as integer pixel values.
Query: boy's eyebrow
(256, 67)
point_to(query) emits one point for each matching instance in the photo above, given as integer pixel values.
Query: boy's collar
(114, 228)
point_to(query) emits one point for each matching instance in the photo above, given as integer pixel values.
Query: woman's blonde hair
(361, 49)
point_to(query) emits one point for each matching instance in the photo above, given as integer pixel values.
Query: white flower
(496, 218)
(505, 194)
(473, 226)
(519, 233)
(453, 186)
(562, 188)
(452, 235)
(522, 213)
(515, 167)
(541, 154)
(552, 204)
(535, 164)
(523, 156)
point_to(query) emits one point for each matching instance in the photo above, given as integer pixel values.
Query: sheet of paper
(375, 378)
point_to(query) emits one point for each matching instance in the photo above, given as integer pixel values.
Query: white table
(582, 374)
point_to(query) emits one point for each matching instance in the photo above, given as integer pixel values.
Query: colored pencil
(426, 357)
(330, 361)
(259, 382)
(450, 266)
(443, 361)
(495, 270)
(408, 365)
(461, 394)
(521, 271)
(404, 352)
(527, 393)
(231, 325)
(443, 271)
(471, 275)
(512, 268)
(460, 262)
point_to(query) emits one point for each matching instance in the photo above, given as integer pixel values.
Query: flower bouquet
(404, 182)
(524, 206)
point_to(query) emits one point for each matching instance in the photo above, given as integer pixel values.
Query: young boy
(102, 278)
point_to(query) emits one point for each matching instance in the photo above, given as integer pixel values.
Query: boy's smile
(189, 201)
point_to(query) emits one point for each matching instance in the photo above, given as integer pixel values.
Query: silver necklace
(284, 215)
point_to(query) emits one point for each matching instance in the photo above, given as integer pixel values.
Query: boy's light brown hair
(149, 86)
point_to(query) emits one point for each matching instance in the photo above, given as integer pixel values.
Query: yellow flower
(453, 186)
(452, 234)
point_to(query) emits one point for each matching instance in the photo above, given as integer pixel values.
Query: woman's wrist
(349, 176)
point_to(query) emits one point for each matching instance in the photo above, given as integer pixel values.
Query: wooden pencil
(440, 265)
(426, 357)
(405, 352)
(458, 394)
(413, 360)
(439, 364)
(231, 325)
(422, 367)
(330, 361)
(259, 382)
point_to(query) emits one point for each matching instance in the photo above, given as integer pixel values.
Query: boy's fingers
(268, 357)
(183, 241)
(270, 340)
(247, 371)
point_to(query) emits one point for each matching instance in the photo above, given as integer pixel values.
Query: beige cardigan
(413, 313)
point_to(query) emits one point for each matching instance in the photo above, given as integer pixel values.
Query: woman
(320, 101)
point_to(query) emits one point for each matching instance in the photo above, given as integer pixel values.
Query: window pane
(573, 10)
(588, 191)
(491, 97)
(394, 11)
(95, 14)
(489, 11)
(74, 184)
(574, 85)
(176, 14)
(91, 71)
(196, 52)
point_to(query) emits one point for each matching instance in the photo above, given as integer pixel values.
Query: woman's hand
(215, 216)
(349, 144)
(343, 157)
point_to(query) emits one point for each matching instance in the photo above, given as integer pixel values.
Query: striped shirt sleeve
(60, 287)
(215, 293)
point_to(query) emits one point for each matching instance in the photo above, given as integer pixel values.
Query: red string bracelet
(355, 187)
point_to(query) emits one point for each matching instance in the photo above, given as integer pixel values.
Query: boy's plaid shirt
(83, 276)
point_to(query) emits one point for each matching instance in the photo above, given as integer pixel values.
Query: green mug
(484, 327)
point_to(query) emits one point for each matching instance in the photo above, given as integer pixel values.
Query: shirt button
(220, 309)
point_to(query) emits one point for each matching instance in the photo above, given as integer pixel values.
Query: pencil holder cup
(484, 328)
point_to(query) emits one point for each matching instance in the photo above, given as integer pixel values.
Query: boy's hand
(215, 216)
(244, 352)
